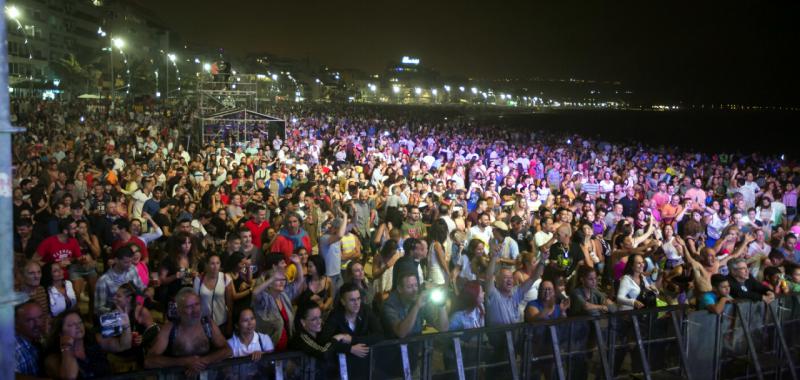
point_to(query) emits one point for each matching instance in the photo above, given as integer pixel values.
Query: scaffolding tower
(228, 112)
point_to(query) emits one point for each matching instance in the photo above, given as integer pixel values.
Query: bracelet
(66, 348)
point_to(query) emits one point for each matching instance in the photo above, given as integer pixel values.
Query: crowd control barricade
(749, 340)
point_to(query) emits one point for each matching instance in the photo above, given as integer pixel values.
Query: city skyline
(694, 54)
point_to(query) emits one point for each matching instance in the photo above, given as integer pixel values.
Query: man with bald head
(191, 341)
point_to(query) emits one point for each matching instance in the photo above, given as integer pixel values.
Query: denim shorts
(79, 271)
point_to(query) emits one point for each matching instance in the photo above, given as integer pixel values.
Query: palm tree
(77, 78)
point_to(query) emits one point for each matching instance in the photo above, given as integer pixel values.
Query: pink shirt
(144, 275)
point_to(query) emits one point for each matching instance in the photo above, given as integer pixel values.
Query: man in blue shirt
(404, 314)
(30, 326)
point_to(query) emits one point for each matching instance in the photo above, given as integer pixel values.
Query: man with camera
(404, 311)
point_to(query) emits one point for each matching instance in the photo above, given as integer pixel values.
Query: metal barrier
(291, 365)
(748, 341)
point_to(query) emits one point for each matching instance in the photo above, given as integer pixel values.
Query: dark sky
(743, 52)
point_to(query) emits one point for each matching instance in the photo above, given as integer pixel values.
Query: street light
(171, 57)
(474, 91)
(13, 12)
(119, 43)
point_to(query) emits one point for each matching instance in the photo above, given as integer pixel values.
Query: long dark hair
(438, 232)
(629, 265)
(319, 264)
(57, 327)
(47, 275)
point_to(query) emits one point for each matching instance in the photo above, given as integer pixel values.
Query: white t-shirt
(259, 343)
(213, 300)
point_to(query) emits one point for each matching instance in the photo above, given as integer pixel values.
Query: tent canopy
(241, 126)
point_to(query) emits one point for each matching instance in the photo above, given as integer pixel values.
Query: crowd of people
(141, 247)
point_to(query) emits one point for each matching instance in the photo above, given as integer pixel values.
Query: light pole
(112, 42)
(119, 43)
(8, 298)
(170, 58)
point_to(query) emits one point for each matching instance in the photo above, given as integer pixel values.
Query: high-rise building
(45, 36)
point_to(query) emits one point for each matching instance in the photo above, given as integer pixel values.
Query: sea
(762, 132)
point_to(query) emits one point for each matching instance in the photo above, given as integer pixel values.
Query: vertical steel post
(7, 295)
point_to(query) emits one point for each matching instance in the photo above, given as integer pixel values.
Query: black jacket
(750, 289)
(368, 327)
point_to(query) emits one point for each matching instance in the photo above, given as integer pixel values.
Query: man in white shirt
(481, 231)
(545, 238)
(142, 195)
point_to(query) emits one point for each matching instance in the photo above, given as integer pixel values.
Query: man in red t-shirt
(291, 237)
(258, 225)
(121, 229)
(61, 248)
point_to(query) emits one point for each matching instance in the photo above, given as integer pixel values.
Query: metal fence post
(642, 354)
(406, 363)
(459, 358)
(527, 352)
(556, 352)
(750, 345)
(8, 298)
(427, 352)
(681, 353)
(342, 366)
(512, 355)
(783, 345)
(602, 351)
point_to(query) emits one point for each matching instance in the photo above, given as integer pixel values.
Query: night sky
(728, 52)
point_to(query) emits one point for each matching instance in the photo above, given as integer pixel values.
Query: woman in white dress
(60, 293)
(216, 294)
(438, 271)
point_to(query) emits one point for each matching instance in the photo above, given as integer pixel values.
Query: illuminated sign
(410, 60)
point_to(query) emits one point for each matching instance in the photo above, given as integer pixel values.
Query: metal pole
(111, 66)
(166, 61)
(7, 295)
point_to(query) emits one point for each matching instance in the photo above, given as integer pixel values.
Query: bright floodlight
(207, 67)
(396, 89)
(274, 76)
(437, 296)
(118, 42)
(474, 90)
(447, 88)
(172, 57)
(461, 88)
(100, 31)
(434, 92)
(13, 12)
(418, 91)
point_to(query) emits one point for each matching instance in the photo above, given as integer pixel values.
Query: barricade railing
(747, 341)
